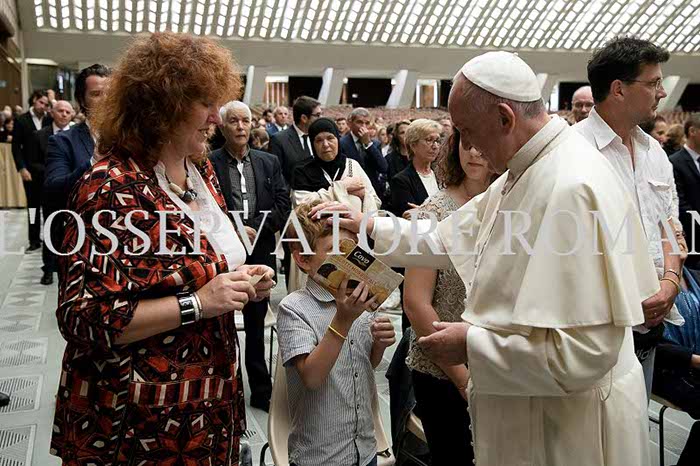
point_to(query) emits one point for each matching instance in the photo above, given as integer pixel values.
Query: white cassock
(554, 378)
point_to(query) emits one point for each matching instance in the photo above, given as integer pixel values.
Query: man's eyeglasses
(317, 115)
(657, 84)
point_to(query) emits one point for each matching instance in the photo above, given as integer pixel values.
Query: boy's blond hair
(312, 229)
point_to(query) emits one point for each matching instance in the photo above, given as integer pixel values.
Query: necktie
(305, 137)
(244, 190)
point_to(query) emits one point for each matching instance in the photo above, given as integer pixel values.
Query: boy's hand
(383, 333)
(350, 307)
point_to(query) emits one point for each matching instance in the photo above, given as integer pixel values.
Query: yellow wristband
(330, 327)
(678, 287)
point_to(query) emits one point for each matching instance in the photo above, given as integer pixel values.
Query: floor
(31, 349)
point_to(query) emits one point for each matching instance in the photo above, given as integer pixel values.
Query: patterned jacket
(174, 398)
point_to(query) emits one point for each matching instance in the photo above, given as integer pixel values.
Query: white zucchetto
(503, 74)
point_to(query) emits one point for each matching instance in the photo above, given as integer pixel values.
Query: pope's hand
(350, 219)
(448, 345)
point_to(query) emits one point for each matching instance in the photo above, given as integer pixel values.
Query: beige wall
(8, 9)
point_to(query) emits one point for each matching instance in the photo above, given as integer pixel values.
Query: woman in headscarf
(329, 176)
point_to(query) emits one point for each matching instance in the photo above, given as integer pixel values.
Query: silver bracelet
(198, 307)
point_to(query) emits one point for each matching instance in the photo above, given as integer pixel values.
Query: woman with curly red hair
(151, 372)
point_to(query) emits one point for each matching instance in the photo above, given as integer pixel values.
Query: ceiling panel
(576, 25)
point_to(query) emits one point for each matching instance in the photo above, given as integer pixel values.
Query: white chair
(270, 322)
(279, 424)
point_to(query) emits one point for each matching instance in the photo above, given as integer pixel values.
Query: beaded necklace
(187, 195)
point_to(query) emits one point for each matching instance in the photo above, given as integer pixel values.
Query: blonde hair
(313, 229)
(419, 129)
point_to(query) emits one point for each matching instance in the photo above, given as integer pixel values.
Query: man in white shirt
(686, 172)
(626, 81)
(549, 309)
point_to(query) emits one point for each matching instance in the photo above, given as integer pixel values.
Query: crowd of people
(506, 359)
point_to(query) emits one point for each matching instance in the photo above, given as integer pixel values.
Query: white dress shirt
(56, 129)
(301, 135)
(35, 119)
(649, 181)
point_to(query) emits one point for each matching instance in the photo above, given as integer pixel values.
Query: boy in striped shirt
(330, 346)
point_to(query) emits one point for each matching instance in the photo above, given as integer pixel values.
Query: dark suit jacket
(396, 163)
(687, 176)
(288, 149)
(406, 187)
(68, 158)
(272, 194)
(22, 138)
(372, 161)
(36, 151)
(272, 128)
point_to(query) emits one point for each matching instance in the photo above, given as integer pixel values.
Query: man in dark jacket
(62, 113)
(22, 141)
(71, 153)
(252, 184)
(686, 173)
(358, 145)
(292, 146)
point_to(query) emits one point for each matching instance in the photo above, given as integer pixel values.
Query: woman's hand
(264, 286)
(226, 292)
(353, 184)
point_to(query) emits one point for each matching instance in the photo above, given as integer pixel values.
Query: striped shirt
(333, 424)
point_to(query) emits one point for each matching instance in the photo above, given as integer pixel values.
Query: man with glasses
(292, 146)
(626, 82)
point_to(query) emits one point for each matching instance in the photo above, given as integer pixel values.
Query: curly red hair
(153, 88)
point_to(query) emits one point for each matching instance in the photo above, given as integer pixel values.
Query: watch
(188, 312)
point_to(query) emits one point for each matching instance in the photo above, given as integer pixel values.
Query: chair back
(270, 319)
(379, 434)
(279, 422)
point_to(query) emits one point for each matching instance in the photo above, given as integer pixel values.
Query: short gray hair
(359, 112)
(234, 105)
(480, 100)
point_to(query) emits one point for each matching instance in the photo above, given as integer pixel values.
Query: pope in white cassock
(552, 289)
